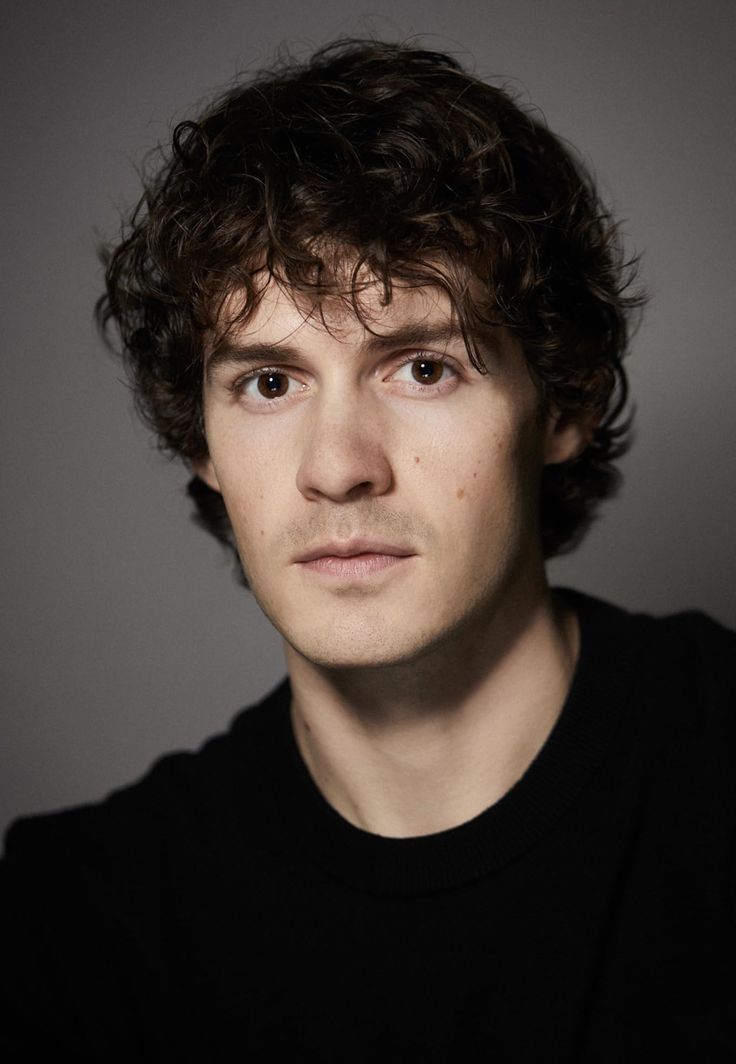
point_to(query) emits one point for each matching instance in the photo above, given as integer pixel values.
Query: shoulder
(185, 799)
(670, 681)
(688, 641)
(89, 895)
(676, 684)
(688, 671)
(693, 656)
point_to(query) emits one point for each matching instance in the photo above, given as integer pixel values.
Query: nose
(344, 455)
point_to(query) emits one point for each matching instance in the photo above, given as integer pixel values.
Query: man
(380, 312)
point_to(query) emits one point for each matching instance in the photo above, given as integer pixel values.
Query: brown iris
(273, 385)
(426, 371)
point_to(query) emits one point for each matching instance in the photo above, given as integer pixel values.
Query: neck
(422, 746)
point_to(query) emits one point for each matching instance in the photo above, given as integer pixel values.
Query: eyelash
(238, 386)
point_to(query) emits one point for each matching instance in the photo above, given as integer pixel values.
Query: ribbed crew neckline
(501, 833)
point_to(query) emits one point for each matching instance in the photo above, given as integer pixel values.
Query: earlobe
(205, 470)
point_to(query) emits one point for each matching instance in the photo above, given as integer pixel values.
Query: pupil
(271, 384)
(427, 370)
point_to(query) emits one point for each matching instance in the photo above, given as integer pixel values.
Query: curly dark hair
(422, 173)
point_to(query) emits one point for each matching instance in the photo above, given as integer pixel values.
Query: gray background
(123, 630)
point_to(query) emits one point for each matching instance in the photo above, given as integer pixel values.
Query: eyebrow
(411, 335)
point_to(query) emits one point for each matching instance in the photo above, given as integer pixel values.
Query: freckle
(460, 493)
(417, 459)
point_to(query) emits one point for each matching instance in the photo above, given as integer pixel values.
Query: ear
(566, 437)
(205, 470)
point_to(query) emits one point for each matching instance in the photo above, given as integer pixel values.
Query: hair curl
(423, 174)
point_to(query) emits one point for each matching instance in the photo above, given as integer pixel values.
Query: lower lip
(354, 566)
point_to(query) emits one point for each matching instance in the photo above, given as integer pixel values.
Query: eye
(265, 386)
(425, 371)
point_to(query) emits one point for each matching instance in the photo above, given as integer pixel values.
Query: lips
(353, 559)
(353, 547)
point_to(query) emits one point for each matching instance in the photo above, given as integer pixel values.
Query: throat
(411, 755)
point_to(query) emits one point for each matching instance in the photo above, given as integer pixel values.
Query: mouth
(358, 558)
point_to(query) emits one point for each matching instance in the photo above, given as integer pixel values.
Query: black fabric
(220, 909)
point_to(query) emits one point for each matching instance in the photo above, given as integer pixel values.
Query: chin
(332, 657)
(359, 648)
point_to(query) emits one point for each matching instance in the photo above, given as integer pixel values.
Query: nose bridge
(344, 444)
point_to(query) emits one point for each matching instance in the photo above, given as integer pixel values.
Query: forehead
(283, 313)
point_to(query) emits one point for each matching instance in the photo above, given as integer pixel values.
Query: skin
(421, 692)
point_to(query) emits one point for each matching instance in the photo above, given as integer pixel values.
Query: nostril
(363, 488)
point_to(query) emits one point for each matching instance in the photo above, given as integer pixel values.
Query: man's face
(382, 491)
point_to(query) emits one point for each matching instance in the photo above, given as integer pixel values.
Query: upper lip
(349, 547)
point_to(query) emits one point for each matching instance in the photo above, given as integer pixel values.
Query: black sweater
(220, 909)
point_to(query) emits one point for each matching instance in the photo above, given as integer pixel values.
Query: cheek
(481, 485)
(244, 462)
(248, 491)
